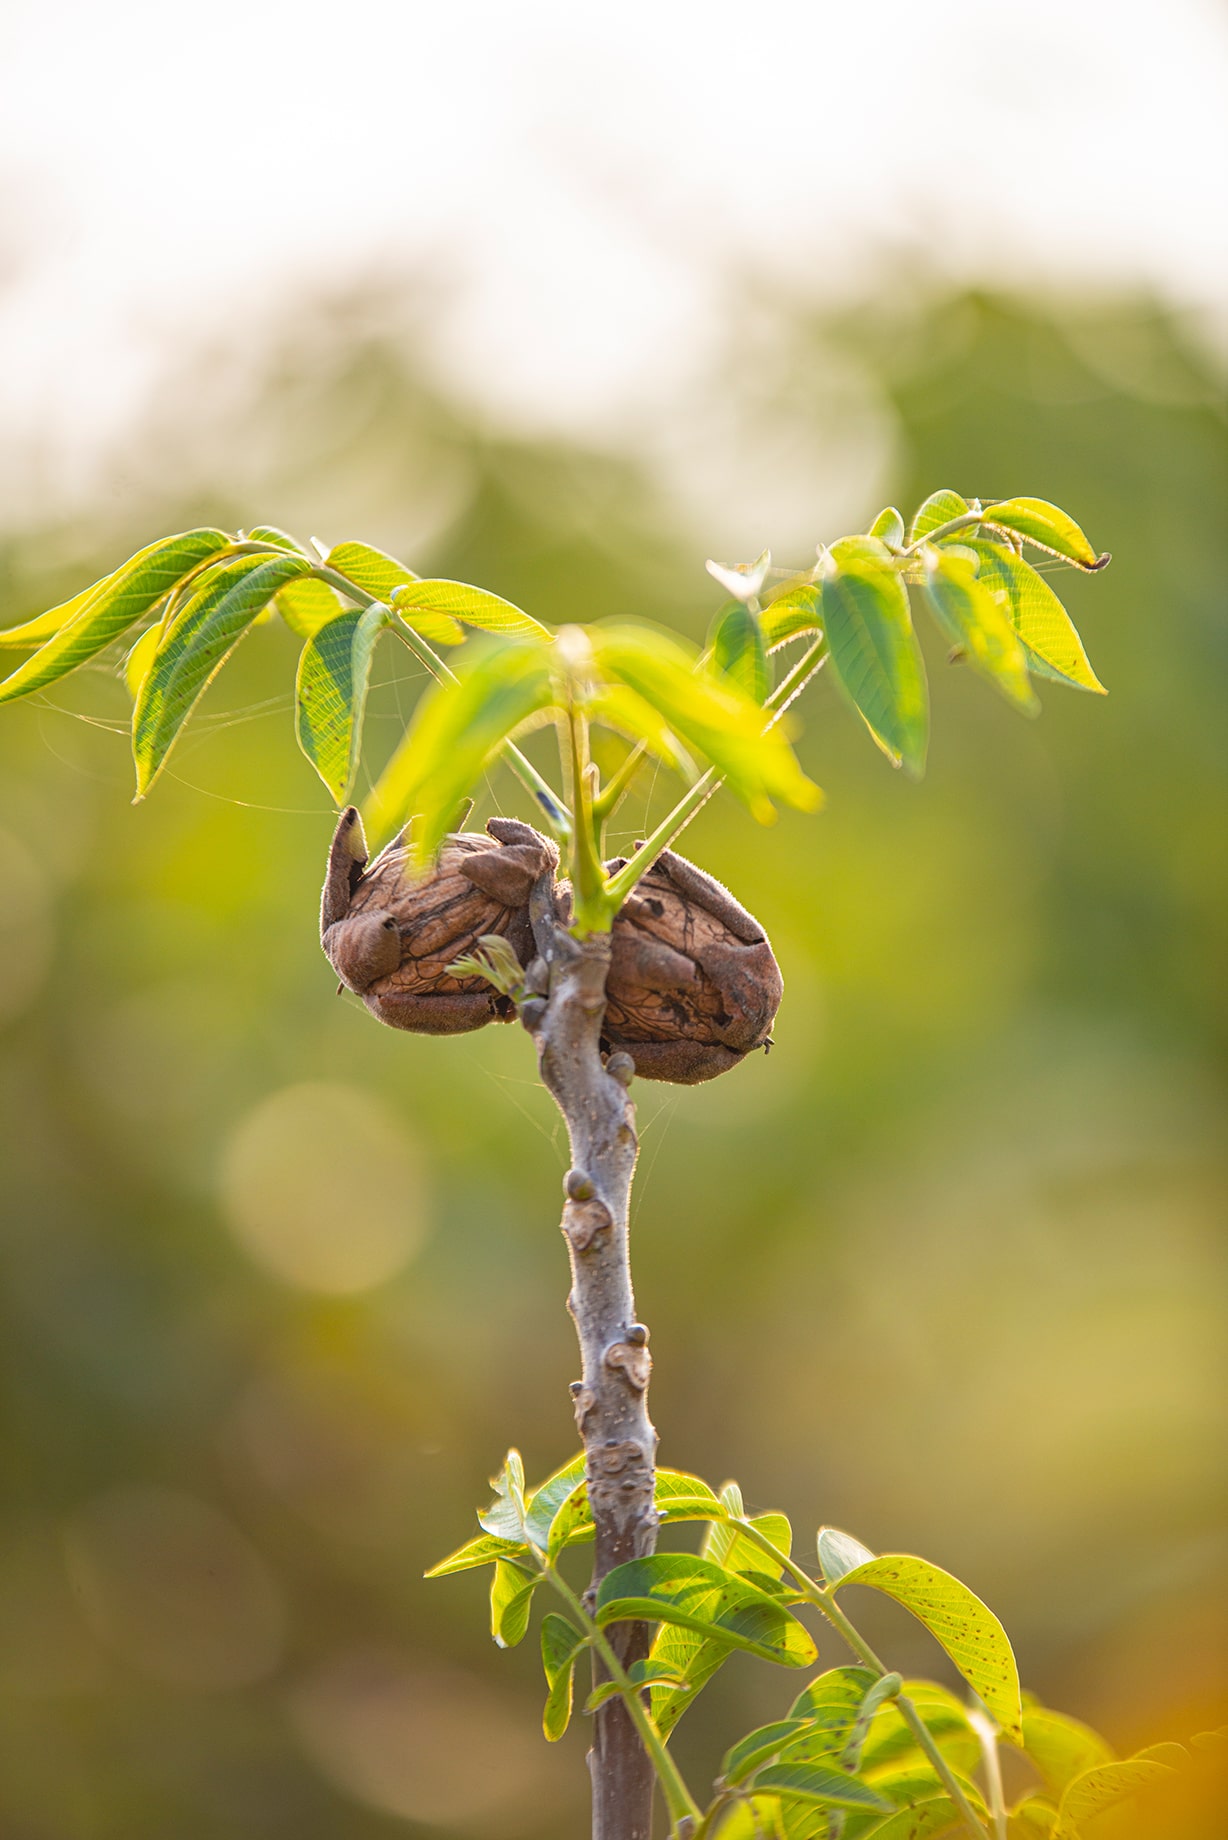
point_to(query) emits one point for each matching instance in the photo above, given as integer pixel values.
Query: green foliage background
(942, 1269)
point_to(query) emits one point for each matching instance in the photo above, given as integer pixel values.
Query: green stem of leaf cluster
(824, 1598)
(591, 908)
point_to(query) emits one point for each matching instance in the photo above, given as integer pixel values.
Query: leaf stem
(824, 1598)
(591, 911)
(963, 522)
(679, 1800)
(607, 799)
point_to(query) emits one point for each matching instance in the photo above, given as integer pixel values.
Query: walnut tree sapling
(616, 968)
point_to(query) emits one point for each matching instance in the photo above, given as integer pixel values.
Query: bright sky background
(578, 182)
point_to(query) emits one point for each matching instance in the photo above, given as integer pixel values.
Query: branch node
(637, 1335)
(621, 1067)
(577, 1186)
(584, 1222)
(632, 1361)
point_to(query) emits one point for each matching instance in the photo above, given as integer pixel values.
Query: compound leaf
(544, 1502)
(382, 575)
(1060, 1747)
(561, 1643)
(620, 707)
(696, 1594)
(488, 612)
(280, 539)
(971, 619)
(677, 1496)
(840, 1553)
(888, 527)
(924, 1821)
(791, 613)
(874, 651)
(334, 673)
(939, 508)
(505, 1517)
(816, 1782)
(307, 604)
(92, 620)
(483, 1550)
(757, 1747)
(1102, 1788)
(511, 1599)
(457, 729)
(738, 649)
(195, 646)
(1052, 645)
(890, 1741)
(967, 1629)
(1045, 526)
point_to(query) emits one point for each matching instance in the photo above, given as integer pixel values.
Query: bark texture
(611, 1396)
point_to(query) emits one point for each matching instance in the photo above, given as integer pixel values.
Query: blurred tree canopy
(232, 1435)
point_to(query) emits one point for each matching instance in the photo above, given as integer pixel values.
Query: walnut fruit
(391, 939)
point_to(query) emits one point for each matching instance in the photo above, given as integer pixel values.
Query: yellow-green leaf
(967, 1629)
(561, 1643)
(890, 1741)
(474, 606)
(46, 625)
(696, 1594)
(194, 648)
(794, 612)
(457, 730)
(140, 658)
(308, 603)
(511, 1600)
(973, 621)
(334, 673)
(930, 1820)
(1053, 646)
(874, 651)
(1060, 1747)
(939, 508)
(888, 527)
(620, 707)
(1105, 1787)
(738, 649)
(1032, 1818)
(381, 575)
(1047, 527)
(112, 606)
(484, 1550)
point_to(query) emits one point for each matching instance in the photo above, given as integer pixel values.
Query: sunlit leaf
(708, 713)
(140, 658)
(969, 1632)
(888, 527)
(546, 1500)
(307, 604)
(1045, 526)
(334, 673)
(794, 612)
(939, 508)
(1105, 1787)
(758, 1747)
(505, 1517)
(45, 626)
(890, 1741)
(511, 1600)
(280, 539)
(193, 649)
(482, 1551)
(972, 620)
(874, 651)
(111, 607)
(458, 728)
(1053, 646)
(1032, 1818)
(677, 1496)
(623, 709)
(382, 575)
(1060, 1747)
(696, 1594)
(488, 612)
(736, 639)
(931, 1820)
(561, 1643)
(1174, 1755)
(744, 580)
(816, 1782)
(840, 1553)
(830, 1705)
(759, 1817)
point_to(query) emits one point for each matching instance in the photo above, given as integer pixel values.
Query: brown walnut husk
(693, 985)
(391, 938)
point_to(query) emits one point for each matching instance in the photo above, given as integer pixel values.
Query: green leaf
(511, 1599)
(308, 604)
(505, 1517)
(561, 1643)
(939, 508)
(891, 1741)
(193, 649)
(1032, 1818)
(280, 539)
(482, 1551)
(1105, 1787)
(816, 1782)
(757, 1747)
(457, 730)
(696, 1594)
(969, 1632)
(709, 713)
(474, 606)
(382, 575)
(759, 1817)
(926, 1821)
(1060, 1747)
(970, 617)
(888, 527)
(1052, 645)
(621, 708)
(111, 607)
(140, 659)
(676, 1495)
(736, 639)
(46, 625)
(874, 651)
(831, 1706)
(794, 612)
(1174, 1755)
(1045, 526)
(840, 1553)
(334, 673)
(545, 1501)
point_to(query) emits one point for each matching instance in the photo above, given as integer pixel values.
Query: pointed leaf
(744, 580)
(334, 673)
(888, 527)
(1060, 1747)
(546, 1500)
(890, 1741)
(840, 1553)
(488, 612)
(139, 660)
(280, 539)
(457, 730)
(709, 713)
(759, 1817)
(621, 708)
(969, 1631)
(874, 651)
(112, 606)
(791, 613)
(1045, 526)
(381, 575)
(695, 1594)
(1051, 643)
(45, 625)
(736, 639)
(193, 649)
(927, 1821)
(830, 1707)
(939, 508)
(816, 1782)
(561, 1643)
(505, 1517)
(972, 619)
(1105, 1787)
(511, 1599)
(307, 604)
(1033, 1818)
(757, 1747)
(483, 1551)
